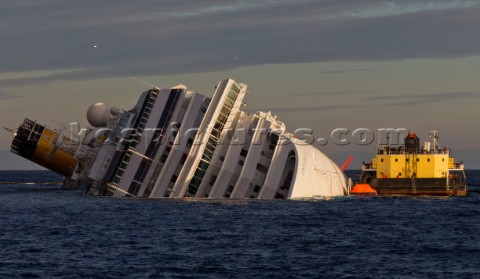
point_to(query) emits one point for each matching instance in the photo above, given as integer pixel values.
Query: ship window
(203, 109)
(381, 160)
(195, 181)
(443, 159)
(418, 160)
(123, 165)
(262, 168)
(189, 142)
(203, 165)
(396, 160)
(243, 153)
(407, 160)
(240, 162)
(428, 159)
(256, 189)
(183, 159)
(213, 179)
(222, 158)
(164, 158)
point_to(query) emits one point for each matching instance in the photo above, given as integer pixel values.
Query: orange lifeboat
(363, 189)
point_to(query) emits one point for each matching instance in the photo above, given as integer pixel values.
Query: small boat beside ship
(411, 169)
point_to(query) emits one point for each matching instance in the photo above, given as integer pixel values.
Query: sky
(321, 64)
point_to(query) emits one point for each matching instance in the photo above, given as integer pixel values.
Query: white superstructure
(176, 143)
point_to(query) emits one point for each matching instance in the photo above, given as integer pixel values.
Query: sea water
(46, 232)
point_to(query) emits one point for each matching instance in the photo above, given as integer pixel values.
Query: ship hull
(419, 186)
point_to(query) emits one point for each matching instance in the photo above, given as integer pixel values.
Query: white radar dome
(98, 115)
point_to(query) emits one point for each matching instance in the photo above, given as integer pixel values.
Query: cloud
(302, 109)
(6, 96)
(419, 99)
(336, 93)
(343, 71)
(35, 78)
(175, 37)
(391, 8)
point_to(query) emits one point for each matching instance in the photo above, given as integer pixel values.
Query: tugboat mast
(434, 136)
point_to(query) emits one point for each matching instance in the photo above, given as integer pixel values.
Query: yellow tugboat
(412, 169)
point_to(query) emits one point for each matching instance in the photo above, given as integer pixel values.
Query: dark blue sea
(46, 232)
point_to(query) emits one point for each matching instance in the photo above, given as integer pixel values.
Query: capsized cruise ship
(175, 143)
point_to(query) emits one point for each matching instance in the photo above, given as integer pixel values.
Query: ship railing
(457, 167)
(366, 166)
(369, 170)
(403, 152)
